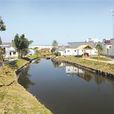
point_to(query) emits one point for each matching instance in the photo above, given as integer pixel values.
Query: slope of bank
(14, 99)
(99, 66)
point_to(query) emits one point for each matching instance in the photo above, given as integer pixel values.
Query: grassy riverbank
(106, 67)
(14, 99)
(17, 63)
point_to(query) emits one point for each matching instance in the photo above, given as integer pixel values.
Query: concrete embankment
(14, 99)
(98, 67)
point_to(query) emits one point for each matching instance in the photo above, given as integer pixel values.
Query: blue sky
(63, 20)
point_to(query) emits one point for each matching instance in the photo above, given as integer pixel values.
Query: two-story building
(108, 47)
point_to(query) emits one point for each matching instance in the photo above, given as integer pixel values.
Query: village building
(10, 52)
(108, 47)
(44, 48)
(78, 49)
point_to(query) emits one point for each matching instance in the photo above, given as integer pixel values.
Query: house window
(74, 50)
(68, 50)
(68, 69)
(14, 53)
(10, 53)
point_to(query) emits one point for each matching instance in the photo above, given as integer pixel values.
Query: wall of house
(76, 52)
(10, 54)
(91, 52)
(111, 51)
(70, 51)
(108, 50)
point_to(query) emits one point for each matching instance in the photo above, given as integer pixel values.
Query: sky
(63, 20)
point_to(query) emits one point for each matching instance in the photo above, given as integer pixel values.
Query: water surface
(65, 89)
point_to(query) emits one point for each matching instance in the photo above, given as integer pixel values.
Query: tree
(99, 49)
(55, 45)
(2, 28)
(21, 44)
(2, 25)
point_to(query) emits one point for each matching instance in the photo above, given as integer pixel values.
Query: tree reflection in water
(87, 76)
(24, 78)
(56, 63)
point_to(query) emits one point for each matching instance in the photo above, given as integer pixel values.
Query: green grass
(17, 63)
(14, 99)
(33, 56)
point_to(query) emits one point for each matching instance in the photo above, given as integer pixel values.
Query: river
(66, 89)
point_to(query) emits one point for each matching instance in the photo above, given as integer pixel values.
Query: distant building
(10, 51)
(78, 49)
(31, 52)
(43, 47)
(108, 47)
(95, 40)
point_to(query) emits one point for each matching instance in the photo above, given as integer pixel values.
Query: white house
(31, 52)
(10, 51)
(78, 49)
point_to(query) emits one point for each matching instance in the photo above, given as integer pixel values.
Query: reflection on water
(24, 78)
(66, 89)
(73, 70)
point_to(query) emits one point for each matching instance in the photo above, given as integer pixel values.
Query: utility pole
(113, 23)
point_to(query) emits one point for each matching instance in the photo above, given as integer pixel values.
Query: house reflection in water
(75, 71)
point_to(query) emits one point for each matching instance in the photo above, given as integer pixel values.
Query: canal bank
(98, 67)
(14, 98)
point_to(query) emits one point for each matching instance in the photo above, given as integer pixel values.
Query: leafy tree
(21, 44)
(57, 54)
(53, 49)
(99, 49)
(55, 45)
(2, 28)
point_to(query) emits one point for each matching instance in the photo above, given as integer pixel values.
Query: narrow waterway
(65, 89)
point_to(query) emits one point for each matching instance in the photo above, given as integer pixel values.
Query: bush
(57, 54)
